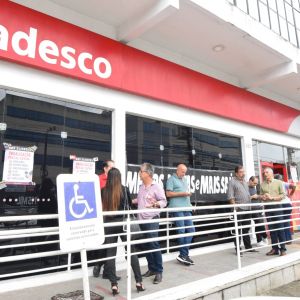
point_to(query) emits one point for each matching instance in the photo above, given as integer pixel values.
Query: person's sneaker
(183, 259)
(251, 250)
(261, 244)
(189, 260)
(265, 241)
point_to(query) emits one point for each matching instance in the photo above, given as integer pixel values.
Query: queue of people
(151, 195)
(273, 192)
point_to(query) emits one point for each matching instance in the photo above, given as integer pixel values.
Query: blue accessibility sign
(80, 201)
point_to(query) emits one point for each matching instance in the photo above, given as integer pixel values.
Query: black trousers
(110, 265)
(260, 230)
(244, 220)
(276, 230)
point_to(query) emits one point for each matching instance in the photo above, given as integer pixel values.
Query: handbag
(135, 229)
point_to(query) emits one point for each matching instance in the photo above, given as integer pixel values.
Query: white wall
(20, 78)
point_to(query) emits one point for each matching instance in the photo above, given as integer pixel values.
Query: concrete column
(118, 152)
(247, 151)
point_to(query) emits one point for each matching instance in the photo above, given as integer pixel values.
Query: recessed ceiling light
(218, 48)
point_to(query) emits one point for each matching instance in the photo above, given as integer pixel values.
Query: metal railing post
(168, 234)
(237, 240)
(69, 261)
(128, 257)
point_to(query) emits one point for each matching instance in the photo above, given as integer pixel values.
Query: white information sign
(18, 164)
(82, 165)
(80, 212)
(294, 174)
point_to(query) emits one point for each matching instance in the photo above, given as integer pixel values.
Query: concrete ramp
(213, 277)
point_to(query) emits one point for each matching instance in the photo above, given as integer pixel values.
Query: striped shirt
(154, 191)
(239, 191)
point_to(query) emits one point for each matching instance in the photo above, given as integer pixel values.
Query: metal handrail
(229, 218)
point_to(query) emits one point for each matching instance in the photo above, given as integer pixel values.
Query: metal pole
(86, 286)
(168, 234)
(69, 261)
(128, 258)
(236, 226)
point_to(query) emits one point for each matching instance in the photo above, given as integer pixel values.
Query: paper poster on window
(82, 165)
(294, 174)
(18, 164)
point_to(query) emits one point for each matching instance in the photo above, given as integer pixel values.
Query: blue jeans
(154, 259)
(184, 250)
(287, 220)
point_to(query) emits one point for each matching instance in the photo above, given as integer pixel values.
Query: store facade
(69, 91)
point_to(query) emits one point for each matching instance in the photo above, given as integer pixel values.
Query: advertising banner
(205, 185)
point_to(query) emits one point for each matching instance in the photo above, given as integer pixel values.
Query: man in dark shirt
(238, 193)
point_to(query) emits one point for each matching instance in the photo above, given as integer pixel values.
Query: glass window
(280, 7)
(272, 4)
(242, 4)
(283, 160)
(39, 123)
(253, 9)
(293, 157)
(197, 148)
(274, 22)
(283, 28)
(289, 13)
(292, 33)
(58, 130)
(296, 4)
(264, 15)
(271, 153)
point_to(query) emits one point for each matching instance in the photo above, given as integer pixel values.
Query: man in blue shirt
(178, 193)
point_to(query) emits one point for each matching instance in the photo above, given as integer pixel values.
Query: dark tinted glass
(166, 144)
(40, 123)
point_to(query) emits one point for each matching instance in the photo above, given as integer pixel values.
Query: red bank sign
(25, 44)
(40, 41)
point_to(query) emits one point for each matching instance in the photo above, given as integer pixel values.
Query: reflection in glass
(40, 122)
(195, 147)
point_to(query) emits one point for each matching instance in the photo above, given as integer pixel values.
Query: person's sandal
(115, 289)
(140, 287)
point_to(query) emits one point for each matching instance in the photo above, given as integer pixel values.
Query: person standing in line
(177, 191)
(271, 191)
(286, 203)
(108, 164)
(151, 195)
(258, 218)
(238, 193)
(116, 197)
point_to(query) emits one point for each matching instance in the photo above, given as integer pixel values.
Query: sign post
(80, 217)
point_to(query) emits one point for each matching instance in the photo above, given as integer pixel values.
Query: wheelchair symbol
(79, 200)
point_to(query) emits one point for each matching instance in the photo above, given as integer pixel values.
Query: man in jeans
(151, 195)
(271, 191)
(177, 191)
(289, 189)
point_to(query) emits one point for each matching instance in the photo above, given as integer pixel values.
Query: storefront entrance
(58, 130)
